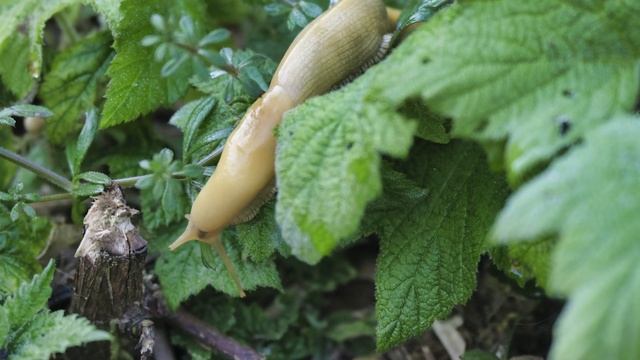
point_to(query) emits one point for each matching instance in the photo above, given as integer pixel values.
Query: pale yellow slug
(327, 51)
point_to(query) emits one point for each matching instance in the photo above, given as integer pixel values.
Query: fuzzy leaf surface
(71, 87)
(328, 165)
(137, 87)
(589, 199)
(430, 244)
(538, 74)
(51, 333)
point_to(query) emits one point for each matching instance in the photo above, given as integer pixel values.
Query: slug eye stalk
(193, 233)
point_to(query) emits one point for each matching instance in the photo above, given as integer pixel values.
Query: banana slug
(330, 49)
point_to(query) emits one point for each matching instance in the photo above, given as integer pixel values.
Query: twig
(211, 337)
(207, 335)
(49, 175)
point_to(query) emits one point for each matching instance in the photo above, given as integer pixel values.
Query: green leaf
(296, 18)
(310, 9)
(20, 244)
(32, 332)
(260, 237)
(110, 9)
(7, 121)
(430, 245)
(525, 261)
(14, 65)
(562, 68)
(4, 326)
(137, 87)
(419, 11)
(50, 333)
(71, 87)
(30, 298)
(189, 118)
(37, 20)
(95, 177)
(589, 199)
(214, 37)
(183, 273)
(25, 110)
(214, 130)
(327, 165)
(87, 189)
(78, 150)
(164, 199)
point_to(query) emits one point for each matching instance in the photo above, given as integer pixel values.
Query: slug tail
(189, 234)
(216, 242)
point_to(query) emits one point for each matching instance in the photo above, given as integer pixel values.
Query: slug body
(330, 49)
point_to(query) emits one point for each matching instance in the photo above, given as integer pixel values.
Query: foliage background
(497, 141)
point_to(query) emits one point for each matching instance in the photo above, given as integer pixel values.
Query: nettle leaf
(71, 87)
(137, 86)
(20, 243)
(589, 199)
(4, 325)
(260, 237)
(328, 165)
(430, 244)
(561, 68)
(14, 64)
(50, 333)
(29, 299)
(35, 333)
(525, 261)
(110, 9)
(183, 273)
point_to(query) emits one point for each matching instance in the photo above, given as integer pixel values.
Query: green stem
(131, 181)
(49, 175)
(54, 197)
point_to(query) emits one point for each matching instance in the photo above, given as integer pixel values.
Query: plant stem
(54, 197)
(49, 175)
(129, 181)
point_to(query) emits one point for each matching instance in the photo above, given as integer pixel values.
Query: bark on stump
(109, 276)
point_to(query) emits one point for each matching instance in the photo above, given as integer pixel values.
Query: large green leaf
(430, 242)
(536, 74)
(327, 165)
(590, 200)
(137, 87)
(70, 88)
